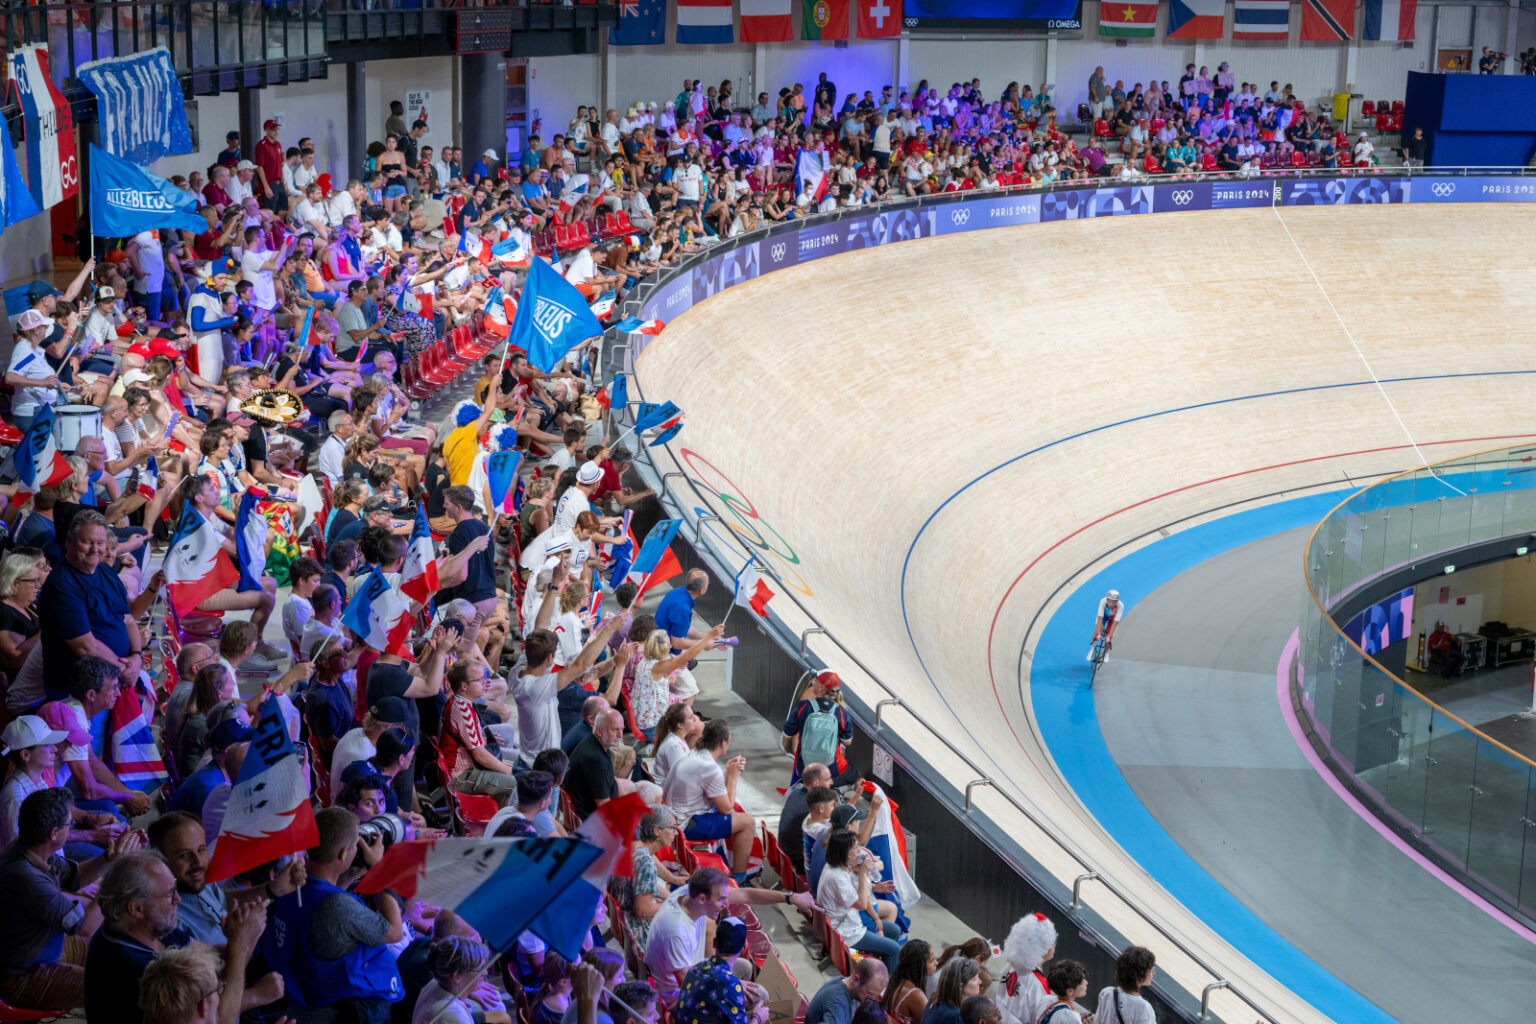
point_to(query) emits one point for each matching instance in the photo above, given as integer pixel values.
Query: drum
(72, 422)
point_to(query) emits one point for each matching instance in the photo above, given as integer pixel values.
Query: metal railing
(618, 352)
(1458, 794)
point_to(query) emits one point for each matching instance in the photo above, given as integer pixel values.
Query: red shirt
(610, 481)
(461, 734)
(215, 196)
(203, 247)
(269, 157)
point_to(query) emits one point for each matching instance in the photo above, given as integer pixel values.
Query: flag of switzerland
(879, 18)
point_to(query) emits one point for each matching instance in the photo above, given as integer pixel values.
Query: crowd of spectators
(535, 689)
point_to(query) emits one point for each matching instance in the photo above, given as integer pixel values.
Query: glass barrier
(1457, 794)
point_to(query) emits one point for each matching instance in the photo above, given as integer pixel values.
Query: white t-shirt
(150, 261)
(308, 213)
(29, 362)
(538, 713)
(352, 747)
(1129, 1010)
(672, 750)
(691, 783)
(582, 269)
(331, 453)
(571, 504)
(1028, 1003)
(263, 294)
(297, 611)
(674, 942)
(689, 182)
(339, 207)
(237, 190)
(836, 894)
(611, 136)
(568, 631)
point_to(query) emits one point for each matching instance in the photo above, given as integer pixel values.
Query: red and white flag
(752, 590)
(766, 21)
(878, 18)
(381, 616)
(196, 566)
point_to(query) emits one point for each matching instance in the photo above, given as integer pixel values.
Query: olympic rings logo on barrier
(959, 216)
(1183, 197)
(1443, 188)
(749, 525)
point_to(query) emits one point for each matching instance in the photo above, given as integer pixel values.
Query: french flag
(269, 814)
(149, 478)
(513, 253)
(476, 246)
(564, 924)
(602, 307)
(498, 886)
(1390, 19)
(498, 318)
(615, 393)
(888, 841)
(195, 565)
(250, 543)
(577, 188)
(656, 563)
(418, 577)
(38, 462)
(634, 325)
(381, 616)
(135, 757)
(810, 175)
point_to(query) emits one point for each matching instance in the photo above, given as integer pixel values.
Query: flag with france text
(380, 615)
(38, 461)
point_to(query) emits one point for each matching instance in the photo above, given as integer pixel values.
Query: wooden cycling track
(942, 432)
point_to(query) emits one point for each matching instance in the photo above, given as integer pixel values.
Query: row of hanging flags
(644, 22)
(142, 117)
(1322, 21)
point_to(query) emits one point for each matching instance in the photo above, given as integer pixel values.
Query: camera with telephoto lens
(390, 828)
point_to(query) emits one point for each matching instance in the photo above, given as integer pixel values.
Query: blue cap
(228, 733)
(730, 936)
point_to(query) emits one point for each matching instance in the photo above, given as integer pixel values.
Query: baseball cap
(29, 319)
(161, 347)
(829, 680)
(231, 135)
(41, 289)
(730, 936)
(245, 165)
(106, 293)
(269, 124)
(228, 733)
(29, 731)
(589, 473)
(844, 814)
(59, 716)
(489, 154)
(390, 710)
(393, 744)
(359, 770)
(377, 503)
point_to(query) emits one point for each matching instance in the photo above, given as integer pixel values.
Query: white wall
(558, 85)
(317, 109)
(216, 115)
(1504, 591)
(386, 80)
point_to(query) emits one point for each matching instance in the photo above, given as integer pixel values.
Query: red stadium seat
(1101, 128)
(1298, 160)
(1397, 107)
(1208, 161)
(1368, 109)
(1383, 122)
(1396, 125)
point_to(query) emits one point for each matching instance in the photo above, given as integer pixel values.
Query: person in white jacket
(1025, 995)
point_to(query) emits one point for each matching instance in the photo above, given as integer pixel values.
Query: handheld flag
(126, 199)
(623, 554)
(577, 186)
(135, 757)
(656, 563)
(501, 473)
(418, 577)
(195, 566)
(269, 814)
(250, 543)
(513, 253)
(304, 333)
(667, 435)
(565, 922)
(888, 842)
(618, 397)
(752, 590)
(810, 176)
(16, 202)
(634, 325)
(552, 318)
(380, 615)
(602, 306)
(38, 462)
(656, 416)
(496, 324)
(499, 886)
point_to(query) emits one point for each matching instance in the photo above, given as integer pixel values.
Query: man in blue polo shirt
(675, 615)
(84, 609)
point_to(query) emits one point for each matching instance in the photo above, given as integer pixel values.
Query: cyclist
(1104, 623)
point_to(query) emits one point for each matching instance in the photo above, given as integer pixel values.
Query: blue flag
(656, 543)
(667, 435)
(655, 416)
(139, 105)
(641, 23)
(250, 543)
(16, 203)
(302, 337)
(126, 200)
(501, 473)
(552, 318)
(618, 398)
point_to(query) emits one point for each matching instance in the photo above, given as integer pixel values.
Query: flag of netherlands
(766, 21)
(135, 757)
(1390, 19)
(269, 814)
(195, 565)
(810, 176)
(250, 543)
(1261, 19)
(418, 576)
(704, 21)
(53, 171)
(1196, 19)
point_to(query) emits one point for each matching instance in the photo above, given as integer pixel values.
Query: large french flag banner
(766, 21)
(380, 615)
(269, 814)
(888, 841)
(195, 565)
(250, 543)
(704, 21)
(1261, 19)
(564, 923)
(499, 886)
(139, 105)
(810, 176)
(1390, 19)
(134, 755)
(1196, 19)
(38, 462)
(418, 576)
(53, 170)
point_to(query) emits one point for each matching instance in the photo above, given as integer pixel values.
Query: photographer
(1489, 63)
(332, 949)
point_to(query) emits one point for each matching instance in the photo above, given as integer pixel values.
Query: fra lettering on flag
(704, 21)
(499, 886)
(1261, 19)
(878, 19)
(1196, 19)
(552, 318)
(767, 21)
(195, 564)
(1390, 19)
(269, 814)
(641, 23)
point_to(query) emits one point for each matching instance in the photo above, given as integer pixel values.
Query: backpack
(819, 736)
